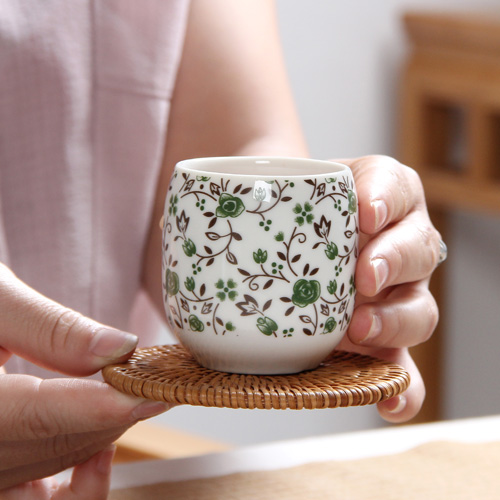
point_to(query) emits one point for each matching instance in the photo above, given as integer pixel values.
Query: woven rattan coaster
(169, 373)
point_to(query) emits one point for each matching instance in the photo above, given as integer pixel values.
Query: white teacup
(259, 257)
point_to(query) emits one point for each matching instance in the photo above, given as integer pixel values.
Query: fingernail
(105, 460)
(380, 213)
(399, 405)
(149, 409)
(375, 329)
(110, 343)
(381, 269)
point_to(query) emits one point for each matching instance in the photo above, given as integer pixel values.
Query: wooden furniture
(449, 131)
(146, 441)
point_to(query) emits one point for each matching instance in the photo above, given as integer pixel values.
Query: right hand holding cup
(400, 249)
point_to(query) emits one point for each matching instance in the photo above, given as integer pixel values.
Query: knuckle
(428, 239)
(37, 425)
(395, 330)
(56, 446)
(428, 315)
(60, 328)
(432, 314)
(75, 457)
(411, 186)
(411, 175)
(397, 260)
(38, 421)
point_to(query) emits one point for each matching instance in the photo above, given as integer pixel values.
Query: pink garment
(85, 89)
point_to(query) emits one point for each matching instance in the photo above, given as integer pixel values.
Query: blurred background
(345, 61)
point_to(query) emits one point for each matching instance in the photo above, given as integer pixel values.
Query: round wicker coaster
(169, 373)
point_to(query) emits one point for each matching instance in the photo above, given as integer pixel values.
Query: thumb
(53, 336)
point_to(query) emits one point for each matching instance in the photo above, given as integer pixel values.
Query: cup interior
(255, 166)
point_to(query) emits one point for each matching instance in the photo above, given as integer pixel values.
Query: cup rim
(321, 168)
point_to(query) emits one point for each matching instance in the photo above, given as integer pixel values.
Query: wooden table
(347, 453)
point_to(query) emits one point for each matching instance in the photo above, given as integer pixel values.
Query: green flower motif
(226, 290)
(305, 292)
(353, 202)
(195, 323)
(230, 327)
(172, 209)
(266, 325)
(172, 282)
(280, 236)
(352, 287)
(331, 250)
(304, 213)
(189, 247)
(202, 178)
(330, 325)
(229, 206)
(260, 256)
(190, 284)
(332, 287)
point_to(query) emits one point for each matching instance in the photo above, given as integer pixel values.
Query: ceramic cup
(259, 257)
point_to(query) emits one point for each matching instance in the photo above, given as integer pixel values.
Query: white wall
(343, 60)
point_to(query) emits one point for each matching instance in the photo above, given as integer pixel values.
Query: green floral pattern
(195, 323)
(189, 248)
(229, 206)
(243, 256)
(267, 326)
(306, 292)
(352, 201)
(172, 282)
(305, 213)
(226, 289)
(260, 256)
(330, 325)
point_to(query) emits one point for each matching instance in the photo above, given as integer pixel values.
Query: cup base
(261, 370)
(275, 368)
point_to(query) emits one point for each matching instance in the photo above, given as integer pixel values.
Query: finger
(387, 191)
(404, 252)
(54, 336)
(4, 357)
(18, 453)
(90, 479)
(25, 473)
(41, 489)
(406, 317)
(40, 409)
(407, 405)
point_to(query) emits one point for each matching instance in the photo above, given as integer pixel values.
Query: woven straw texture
(169, 373)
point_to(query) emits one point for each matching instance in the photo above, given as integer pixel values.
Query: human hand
(399, 250)
(50, 425)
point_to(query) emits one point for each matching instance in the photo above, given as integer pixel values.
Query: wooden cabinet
(449, 131)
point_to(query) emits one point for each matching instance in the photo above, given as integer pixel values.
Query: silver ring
(443, 252)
